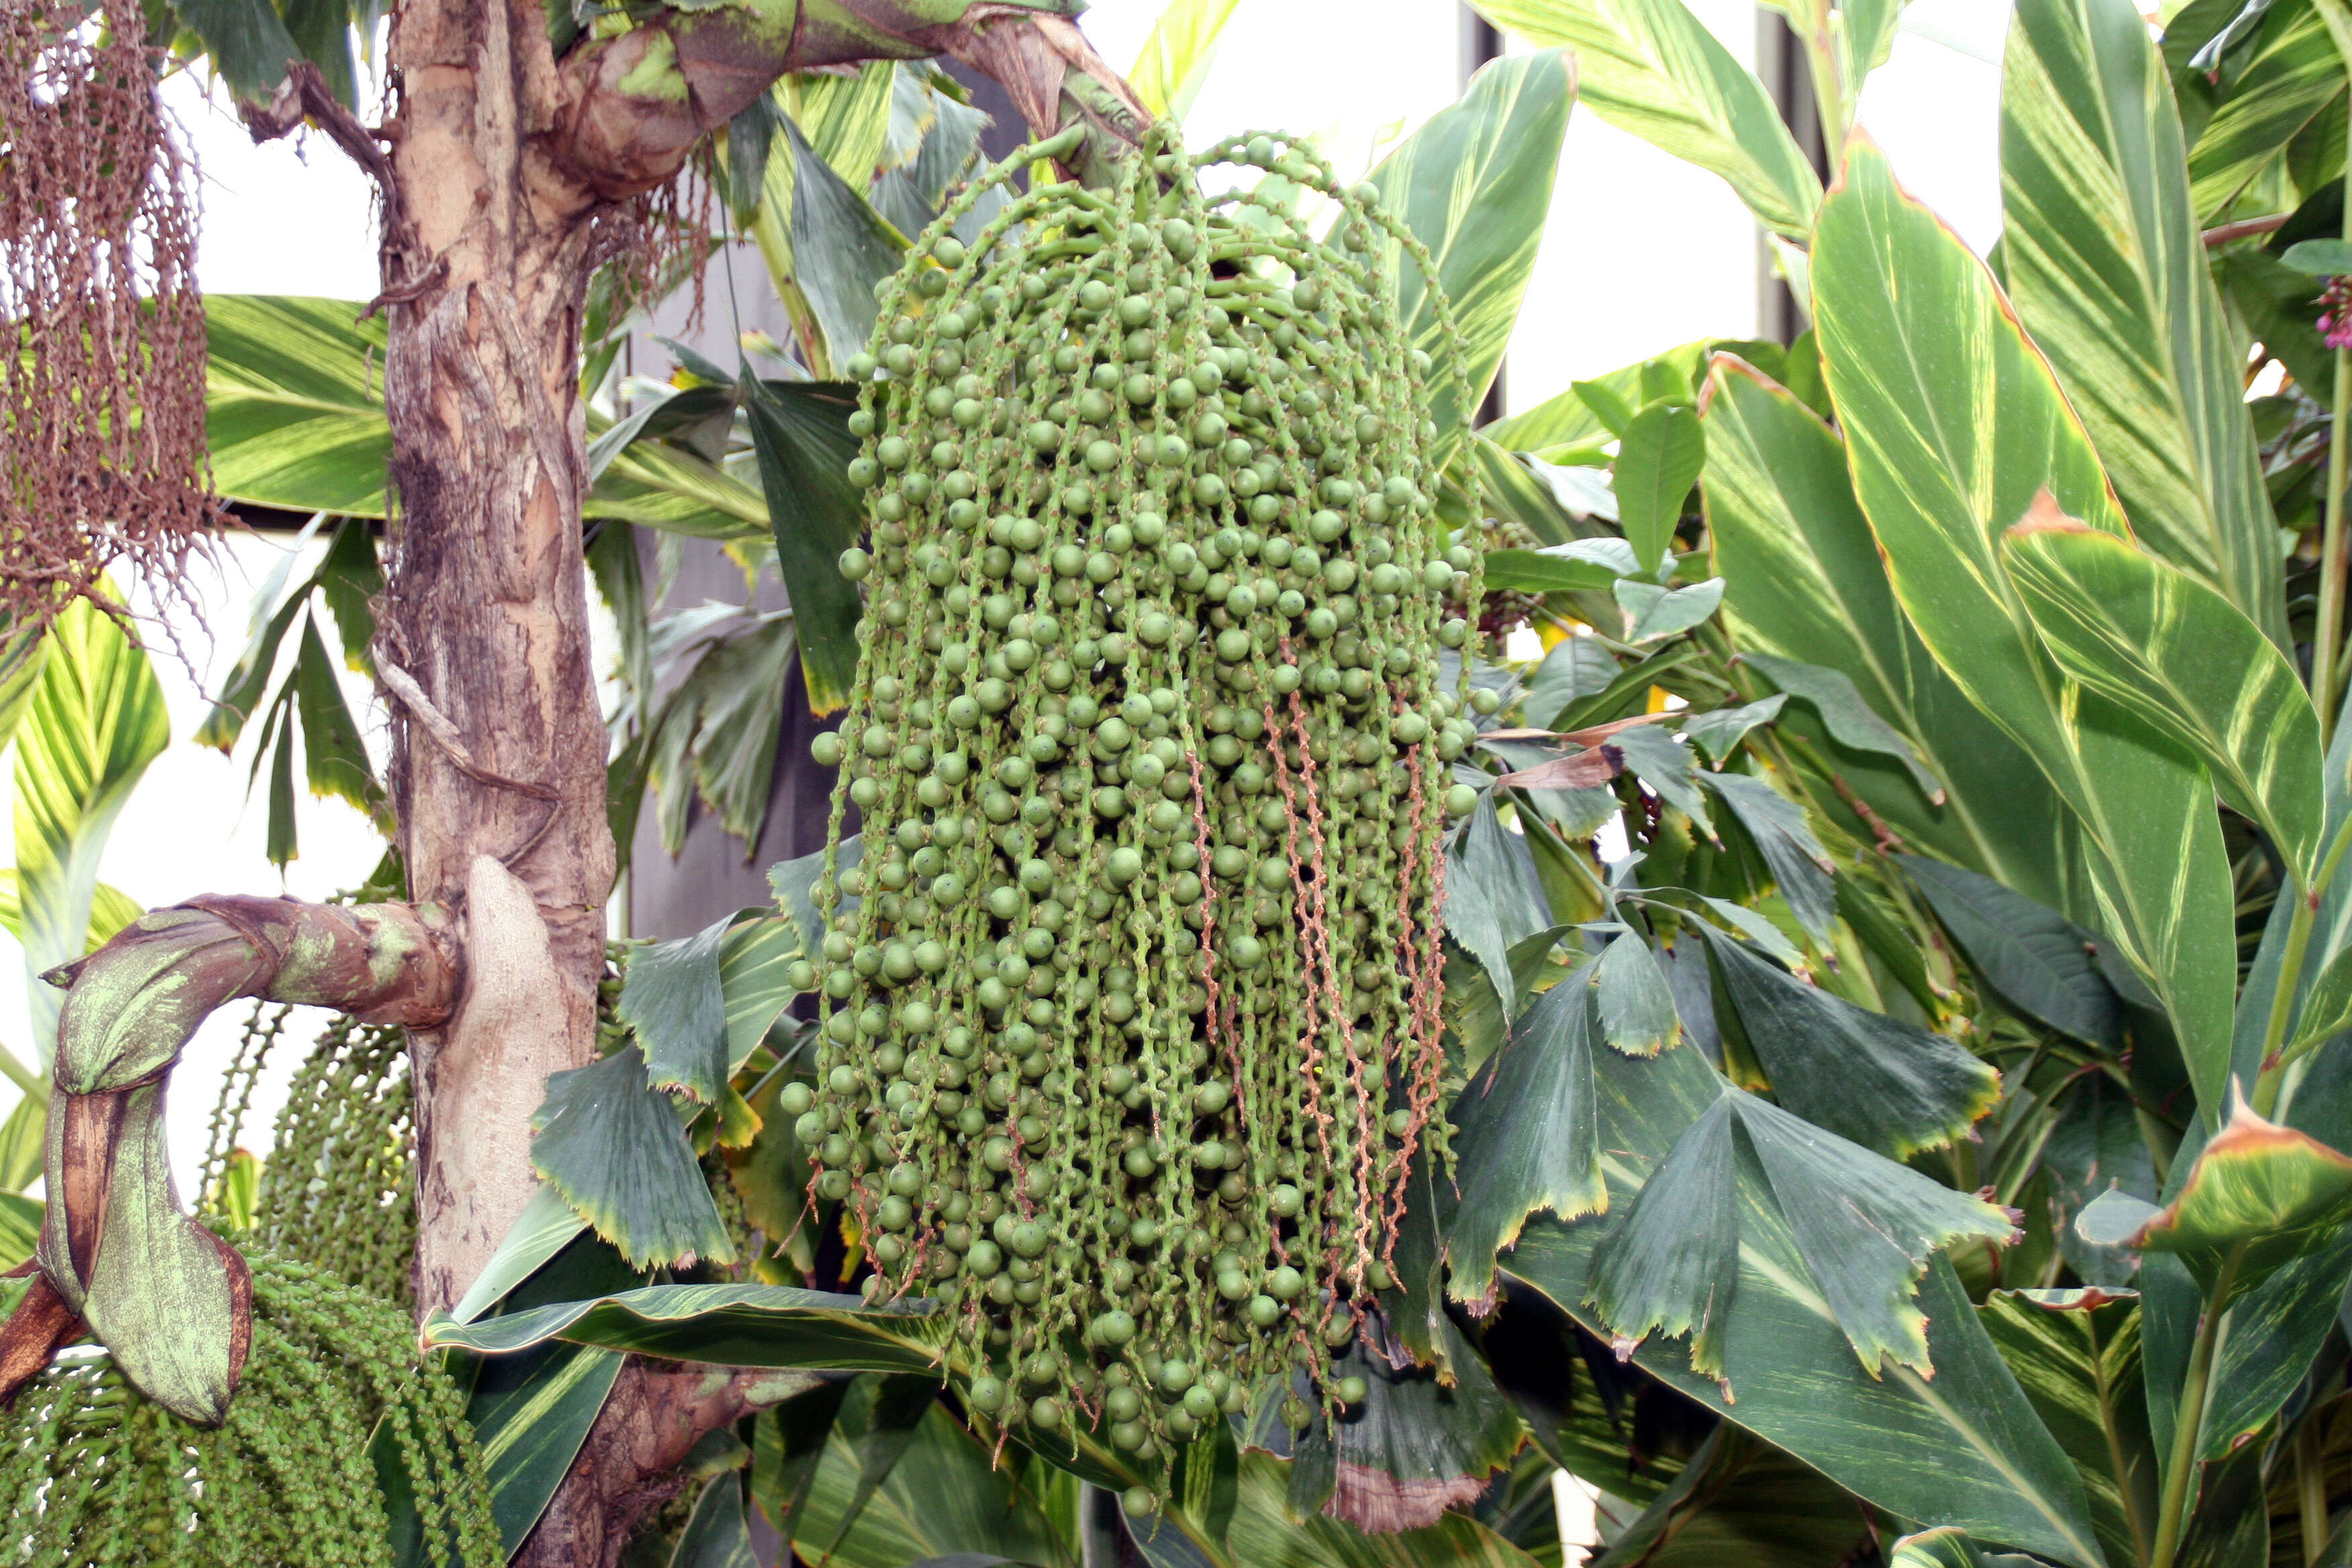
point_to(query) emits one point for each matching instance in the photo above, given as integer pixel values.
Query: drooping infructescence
(1130, 995)
(332, 1404)
(102, 376)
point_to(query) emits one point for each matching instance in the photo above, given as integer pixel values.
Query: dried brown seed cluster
(102, 390)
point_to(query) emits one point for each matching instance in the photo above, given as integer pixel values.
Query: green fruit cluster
(93, 1473)
(1130, 997)
(338, 1190)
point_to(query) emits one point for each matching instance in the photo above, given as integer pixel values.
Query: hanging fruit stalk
(1130, 1002)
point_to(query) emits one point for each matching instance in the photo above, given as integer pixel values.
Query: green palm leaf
(1963, 1448)
(1529, 1137)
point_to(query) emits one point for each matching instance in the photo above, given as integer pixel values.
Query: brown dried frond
(102, 401)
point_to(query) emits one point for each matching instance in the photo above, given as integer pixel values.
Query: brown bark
(627, 1469)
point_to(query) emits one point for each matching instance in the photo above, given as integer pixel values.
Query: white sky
(1643, 252)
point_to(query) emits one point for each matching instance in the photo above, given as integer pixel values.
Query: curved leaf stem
(2290, 976)
(2188, 1424)
(2331, 556)
(2328, 639)
(1829, 83)
(2275, 1058)
(2311, 1488)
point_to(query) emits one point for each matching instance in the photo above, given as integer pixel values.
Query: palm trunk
(498, 764)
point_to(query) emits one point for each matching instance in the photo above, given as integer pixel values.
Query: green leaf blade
(1800, 866)
(2105, 256)
(1529, 1137)
(2183, 660)
(672, 1000)
(1874, 1080)
(1637, 1004)
(1176, 58)
(800, 433)
(2259, 1197)
(1954, 425)
(95, 720)
(726, 1325)
(2289, 81)
(1807, 590)
(2080, 1365)
(2036, 961)
(1963, 1449)
(1651, 68)
(1661, 456)
(1474, 185)
(615, 1150)
(1866, 1227)
(1672, 1267)
(294, 402)
(841, 247)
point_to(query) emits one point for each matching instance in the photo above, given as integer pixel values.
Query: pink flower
(2336, 317)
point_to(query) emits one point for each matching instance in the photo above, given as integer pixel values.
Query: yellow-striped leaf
(2076, 1355)
(1651, 68)
(96, 720)
(1176, 58)
(2108, 267)
(20, 1227)
(2293, 76)
(2155, 640)
(1805, 583)
(1474, 185)
(1954, 424)
(294, 402)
